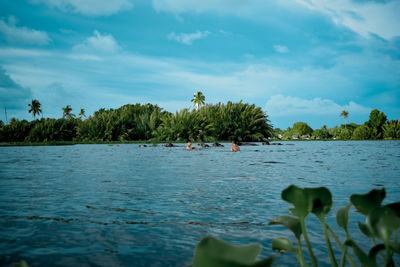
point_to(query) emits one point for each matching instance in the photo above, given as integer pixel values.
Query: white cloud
(12, 95)
(162, 80)
(281, 49)
(188, 38)
(236, 7)
(362, 17)
(98, 43)
(88, 7)
(22, 35)
(280, 105)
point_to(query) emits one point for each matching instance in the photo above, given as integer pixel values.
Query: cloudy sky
(300, 60)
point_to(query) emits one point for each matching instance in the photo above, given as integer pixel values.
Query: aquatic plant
(382, 223)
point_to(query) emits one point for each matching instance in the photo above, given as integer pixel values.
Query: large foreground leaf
(321, 200)
(383, 221)
(212, 252)
(283, 245)
(300, 198)
(342, 217)
(365, 203)
(290, 222)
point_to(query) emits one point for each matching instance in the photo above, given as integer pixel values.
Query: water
(101, 205)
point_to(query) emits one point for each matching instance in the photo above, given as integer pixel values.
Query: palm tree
(82, 113)
(35, 108)
(345, 114)
(198, 99)
(67, 112)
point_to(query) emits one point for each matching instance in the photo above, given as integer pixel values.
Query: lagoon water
(101, 205)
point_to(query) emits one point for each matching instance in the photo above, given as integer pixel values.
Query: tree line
(206, 123)
(377, 127)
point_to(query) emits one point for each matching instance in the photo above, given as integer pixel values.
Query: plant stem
(342, 247)
(389, 253)
(300, 253)
(312, 256)
(328, 242)
(342, 260)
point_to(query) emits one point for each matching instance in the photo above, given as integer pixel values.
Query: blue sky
(300, 60)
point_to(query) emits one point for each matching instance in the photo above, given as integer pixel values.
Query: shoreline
(138, 142)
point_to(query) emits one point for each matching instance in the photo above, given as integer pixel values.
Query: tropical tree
(322, 133)
(391, 130)
(198, 99)
(35, 108)
(345, 114)
(362, 132)
(82, 113)
(301, 128)
(376, 121)
(67, 112)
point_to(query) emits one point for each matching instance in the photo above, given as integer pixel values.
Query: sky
(299, 60)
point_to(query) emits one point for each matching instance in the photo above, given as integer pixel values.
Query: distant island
(205, 123)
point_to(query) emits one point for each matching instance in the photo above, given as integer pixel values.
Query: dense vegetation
(381, 226)
(205, 123)
(377, 127)
(144, 122)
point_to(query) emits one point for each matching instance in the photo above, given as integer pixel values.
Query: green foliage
(47, 130)
(277, 132)
(301, 128)
(290, 222)
(322, 133)
(67, 112)
(345, 134)
(212, 252)
(345, 114)
(146, 122)
(335, 131)
(391, 130)
(198, 100)
(35, 108)
(82, 113)
(16, 130)
(363, 132)
(376, 121)
(382, 223)
(239, 121)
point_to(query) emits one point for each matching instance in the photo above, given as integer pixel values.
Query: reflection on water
(124, 205)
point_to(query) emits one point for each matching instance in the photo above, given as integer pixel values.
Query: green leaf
(300, 198)
(395, 207)
(290, 222)
(211, 252)
(383, 221)
(321, 200)
(342, 216)
(374, 251)
(367, 202)
(395, 247)
(365, 230)
(283, 245)
(293, 211)
(360, 254)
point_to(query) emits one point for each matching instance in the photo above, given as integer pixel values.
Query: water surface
(101, 205)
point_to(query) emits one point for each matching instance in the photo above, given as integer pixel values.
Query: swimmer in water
(235, 147)
(189, 146)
